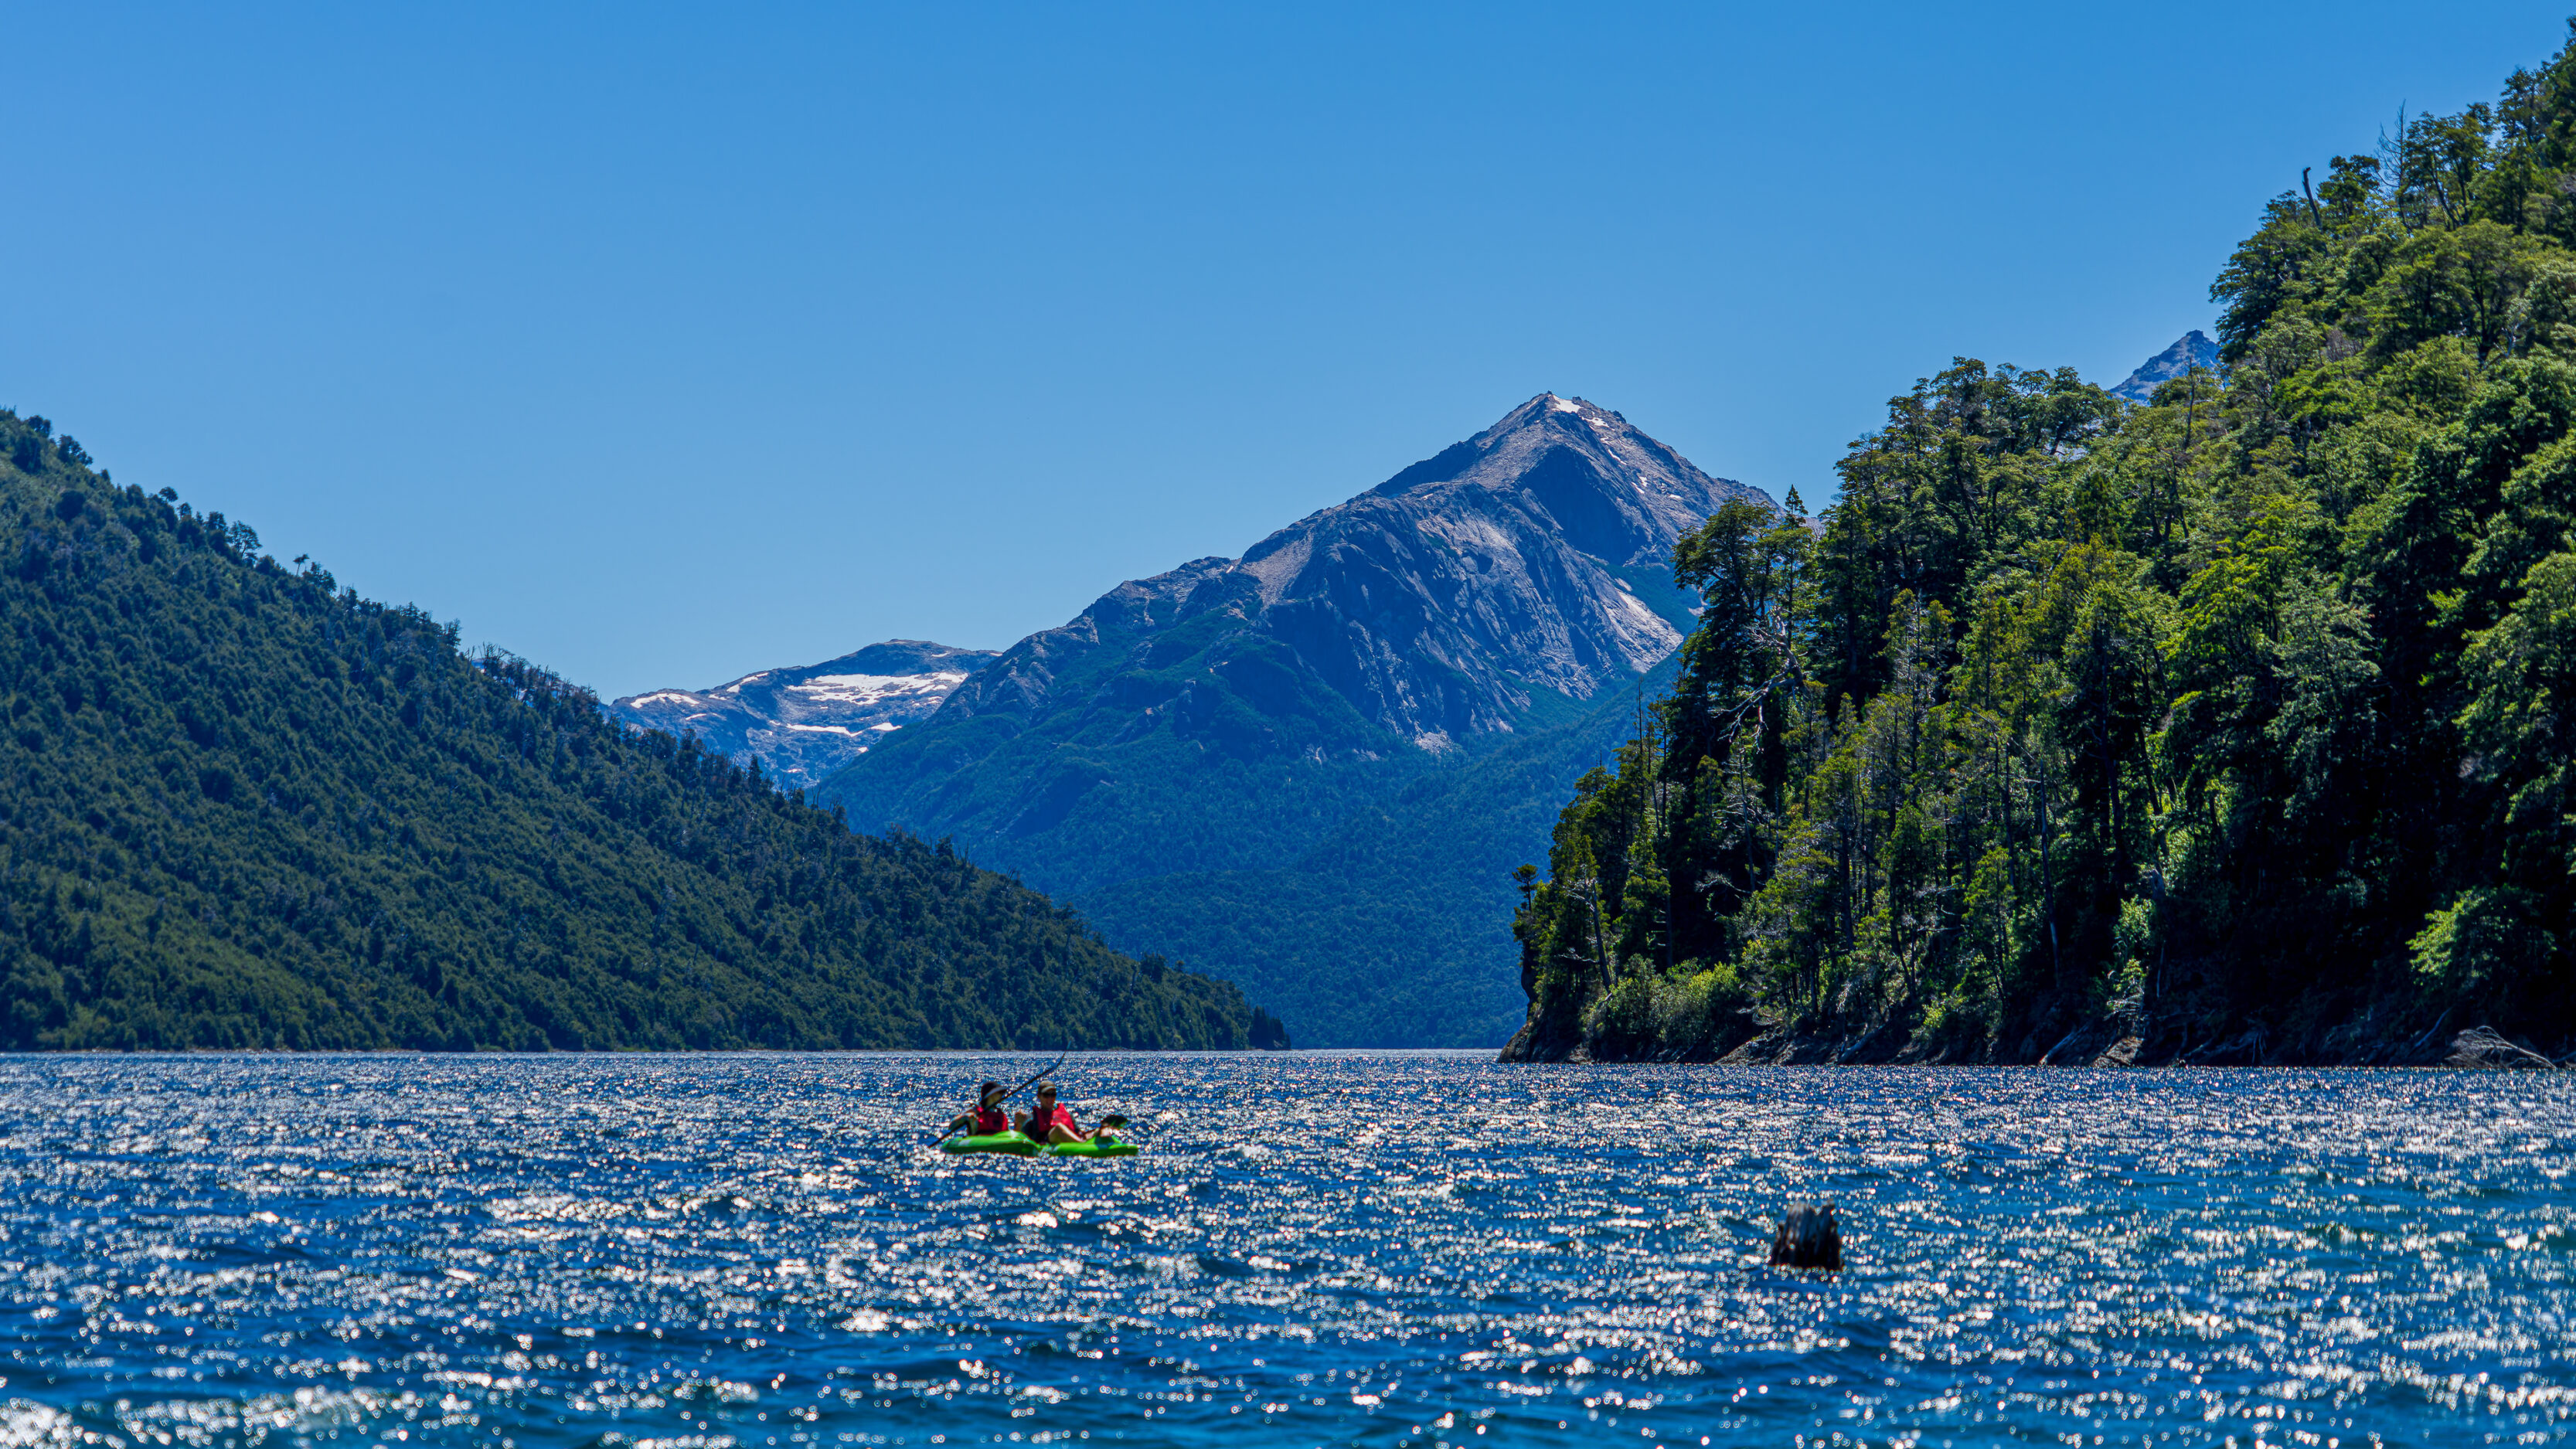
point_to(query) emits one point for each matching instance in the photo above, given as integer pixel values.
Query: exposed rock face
(805, 723)
(2192, 349)
(1431, 605)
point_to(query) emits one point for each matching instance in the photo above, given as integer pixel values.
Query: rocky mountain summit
(1434, 606)
(2192, 349)
(1312, 768)
(805, 723)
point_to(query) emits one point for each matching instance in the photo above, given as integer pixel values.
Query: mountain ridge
(1495, 521)
(1228, 717)
(803, 722)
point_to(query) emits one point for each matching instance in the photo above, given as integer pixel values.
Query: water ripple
(693, 1252)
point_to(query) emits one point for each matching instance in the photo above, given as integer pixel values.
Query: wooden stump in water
(1808, 1238)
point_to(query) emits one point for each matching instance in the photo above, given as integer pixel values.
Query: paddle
(1033, 1081)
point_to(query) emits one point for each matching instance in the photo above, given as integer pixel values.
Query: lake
(1316, 1249)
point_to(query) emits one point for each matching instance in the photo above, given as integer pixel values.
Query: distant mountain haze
(1167, 754)
(2192, 349)
(806, 722)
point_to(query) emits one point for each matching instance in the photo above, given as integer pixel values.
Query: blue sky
(664, 344)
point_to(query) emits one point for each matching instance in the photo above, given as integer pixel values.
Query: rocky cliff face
(2192, 349)
(1434, 606)
(805, 723)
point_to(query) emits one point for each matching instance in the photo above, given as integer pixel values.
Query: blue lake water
(1316, 1250)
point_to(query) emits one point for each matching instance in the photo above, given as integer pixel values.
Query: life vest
(991, 1120)
(1044, 1119)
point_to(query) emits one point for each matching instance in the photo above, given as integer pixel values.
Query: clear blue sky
(660, 345)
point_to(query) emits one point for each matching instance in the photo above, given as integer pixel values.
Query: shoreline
(2109, 1043)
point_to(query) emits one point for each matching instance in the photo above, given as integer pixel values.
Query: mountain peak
(1548, 408)
(2192, 349)
(1527, 560)
(1489, 605)
(1434, 606)
(1552, 444)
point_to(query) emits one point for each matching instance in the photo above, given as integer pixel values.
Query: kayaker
(1049, 1123)
(988, 1119)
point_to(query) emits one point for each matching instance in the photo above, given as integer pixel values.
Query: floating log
(2484, 1046)
(1808, 1238)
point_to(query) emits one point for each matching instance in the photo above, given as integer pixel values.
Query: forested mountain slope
(1394, 929)
(240, 807)
(2236, 727)
(1186, 758)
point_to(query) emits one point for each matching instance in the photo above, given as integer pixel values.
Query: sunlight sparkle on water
(1409, 1249)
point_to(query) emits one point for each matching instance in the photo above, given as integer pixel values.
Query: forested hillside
(1388, 930)
(2235, 727)
(246, 808)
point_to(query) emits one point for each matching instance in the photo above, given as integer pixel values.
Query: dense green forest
(2234, 727)
(1385, 931)
(244, 807)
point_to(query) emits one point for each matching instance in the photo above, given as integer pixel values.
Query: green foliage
(1679, 1015)
(1383, 932)
(245, 808)
(2249, 708)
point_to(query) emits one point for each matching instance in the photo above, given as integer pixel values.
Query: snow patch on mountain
(804, 723)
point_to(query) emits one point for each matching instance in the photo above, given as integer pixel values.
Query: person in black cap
(1049, 1122)
(988, 1119)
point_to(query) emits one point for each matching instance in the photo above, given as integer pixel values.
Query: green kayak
(1010, 1142)
(1111, 1148)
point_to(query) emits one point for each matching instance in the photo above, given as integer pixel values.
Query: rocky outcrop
(806, 722)
(1809, 1237)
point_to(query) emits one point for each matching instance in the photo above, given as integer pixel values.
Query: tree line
(2239, 723)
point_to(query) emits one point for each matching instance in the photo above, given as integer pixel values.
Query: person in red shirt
(1049, 1122)
(988, 1118)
